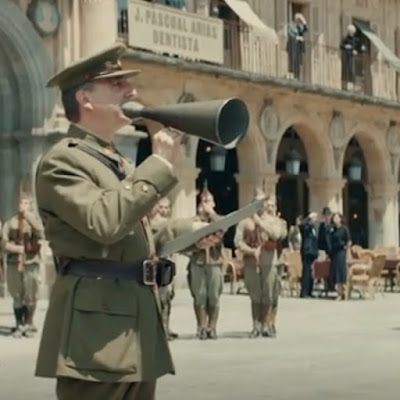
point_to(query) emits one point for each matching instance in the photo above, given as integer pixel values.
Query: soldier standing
(103, 337)
(160, 214)
(206, 274)
(23, 264)
(257, 238)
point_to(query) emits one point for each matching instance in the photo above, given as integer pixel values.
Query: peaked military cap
(105, 64)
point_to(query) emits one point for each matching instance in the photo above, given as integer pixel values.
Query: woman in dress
(340, 242)
(294, 236)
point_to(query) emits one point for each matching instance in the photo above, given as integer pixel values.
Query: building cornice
(295, 86)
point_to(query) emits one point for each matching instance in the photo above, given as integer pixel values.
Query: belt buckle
(149, 272)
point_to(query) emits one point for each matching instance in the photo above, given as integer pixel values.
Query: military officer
(23, 263)
(257, 238)
(160, 214)
(206, 274)
(103, 338)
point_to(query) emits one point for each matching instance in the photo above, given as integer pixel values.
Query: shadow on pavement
(6, 330)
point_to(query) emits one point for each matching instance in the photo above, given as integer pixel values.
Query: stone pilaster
(248, 182)
(99, 25)
(383, 214)
(326, 192)
(10, 173)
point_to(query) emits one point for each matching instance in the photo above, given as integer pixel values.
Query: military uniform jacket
(32, 232)
(212, 255)
(102, 329)
(247, 237)
(273, 228)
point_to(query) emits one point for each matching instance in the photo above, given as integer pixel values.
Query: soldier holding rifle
(159, 216)
(21, 243)
(206, 274)
(257, 239)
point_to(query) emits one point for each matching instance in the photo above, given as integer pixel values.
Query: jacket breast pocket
(103, 331)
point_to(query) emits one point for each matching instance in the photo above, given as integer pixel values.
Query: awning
(387, 54)
(243, 10)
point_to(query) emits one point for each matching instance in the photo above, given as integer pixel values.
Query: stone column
(99, 25)
(183, 199)
(383, 214)
(248, 182)
(326, 192)
(9, 176)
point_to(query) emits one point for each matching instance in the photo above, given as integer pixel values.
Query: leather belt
(147, 272)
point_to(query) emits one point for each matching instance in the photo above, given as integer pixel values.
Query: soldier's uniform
(206, 281)
(103, 338)
(23, 286)
(166, 293)
(261, 278)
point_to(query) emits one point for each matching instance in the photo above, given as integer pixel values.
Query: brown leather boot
(212, 322)
(256, 316)
(266, 329)
(274, 313)
(201, 316)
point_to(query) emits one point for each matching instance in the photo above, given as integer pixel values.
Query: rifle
(1, 269)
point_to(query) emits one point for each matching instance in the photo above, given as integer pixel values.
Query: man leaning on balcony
(295, 44)
(351, 47)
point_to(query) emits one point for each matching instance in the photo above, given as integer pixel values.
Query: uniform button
(105, 307)
(128, 186)
(145, 188)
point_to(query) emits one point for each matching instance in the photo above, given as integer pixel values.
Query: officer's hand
(166, 143)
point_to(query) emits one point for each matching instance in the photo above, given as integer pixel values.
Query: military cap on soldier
(102, 65)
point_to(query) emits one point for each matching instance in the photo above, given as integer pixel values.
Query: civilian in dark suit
(324, 231)
(324, 240)
(309, 252)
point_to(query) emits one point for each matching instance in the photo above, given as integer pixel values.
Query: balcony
(237, 46)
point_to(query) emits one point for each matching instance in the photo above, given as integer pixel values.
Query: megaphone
(221, 122)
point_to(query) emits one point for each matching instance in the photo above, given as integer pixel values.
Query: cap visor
(117, 74)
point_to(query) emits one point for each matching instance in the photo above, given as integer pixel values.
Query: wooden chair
(292, 272)
(358, 274)
(235, 273)
(356, 250)
(367, 275)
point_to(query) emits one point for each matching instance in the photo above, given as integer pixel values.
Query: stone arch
(26, 66)
(317, 145)
(375, 153)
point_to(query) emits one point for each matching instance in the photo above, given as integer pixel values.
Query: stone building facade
(39, 37)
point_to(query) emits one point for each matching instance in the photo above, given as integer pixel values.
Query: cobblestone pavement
(324, 350)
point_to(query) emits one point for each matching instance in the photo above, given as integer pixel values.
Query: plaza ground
(324, 350)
